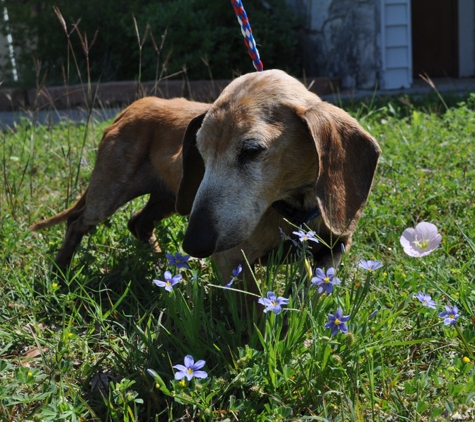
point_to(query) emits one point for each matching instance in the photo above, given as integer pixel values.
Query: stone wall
(340, 39)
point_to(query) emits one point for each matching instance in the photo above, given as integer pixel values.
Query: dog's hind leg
(74, 233)
(100, 203)
(160, 205)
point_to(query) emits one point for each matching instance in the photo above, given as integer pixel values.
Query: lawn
(102, 344)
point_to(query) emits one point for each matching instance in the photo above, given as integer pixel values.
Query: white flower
(421, 240)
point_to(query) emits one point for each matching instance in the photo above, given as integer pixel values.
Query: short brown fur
(140, 153)
(312, 155)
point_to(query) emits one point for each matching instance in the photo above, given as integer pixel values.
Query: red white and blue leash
(247, 34)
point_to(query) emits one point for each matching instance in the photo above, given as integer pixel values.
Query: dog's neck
(297, 216)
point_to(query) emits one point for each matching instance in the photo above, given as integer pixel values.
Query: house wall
(7, 68)
(3, 52)
(466, 16)
(340, 39)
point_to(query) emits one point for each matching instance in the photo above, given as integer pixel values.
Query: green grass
(80, 349)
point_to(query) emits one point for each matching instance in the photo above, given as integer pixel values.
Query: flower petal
(199, 365)
(180, 375)
(425, 230)
(189, 361)
(271, 296)
(319, 273)
(200, 374)
(176, 279)
(264, 301)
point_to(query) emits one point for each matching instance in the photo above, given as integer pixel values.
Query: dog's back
(140, 153)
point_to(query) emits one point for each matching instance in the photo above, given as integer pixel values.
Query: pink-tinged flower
(169, 281)
(421, 240)
(190, 369)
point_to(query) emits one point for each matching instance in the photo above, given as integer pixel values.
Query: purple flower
(373, 314)
(337, 322)
(169, 281)
(421, 240)
(325, 282)
(451, 315)
(178, 260)
(305, 236)
(273, 303)
(426, 300)
(235, 274)
(190, 369)
(370, 265)
(285, 237)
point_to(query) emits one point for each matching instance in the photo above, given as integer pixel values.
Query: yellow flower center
(421, 244)
(274, 303)
(451, 316)
(168, 283)
(189, 370)
(326, 280)
(337, 321)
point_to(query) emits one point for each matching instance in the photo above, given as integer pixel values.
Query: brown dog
(140, 153)
(267, 149)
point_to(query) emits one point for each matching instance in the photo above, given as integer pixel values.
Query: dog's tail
(62, 216)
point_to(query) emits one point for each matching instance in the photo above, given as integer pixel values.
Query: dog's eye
(250, 151)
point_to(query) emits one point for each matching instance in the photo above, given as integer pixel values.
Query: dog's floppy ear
(193, 168)
(347, 160)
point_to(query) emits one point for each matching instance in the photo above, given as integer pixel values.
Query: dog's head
(268, 139)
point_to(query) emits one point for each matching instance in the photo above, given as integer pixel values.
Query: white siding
(396, 52)
(466, 38)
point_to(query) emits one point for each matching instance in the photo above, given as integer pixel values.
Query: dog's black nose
(201, 235)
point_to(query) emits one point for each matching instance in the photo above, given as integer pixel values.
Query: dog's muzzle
(201, 235)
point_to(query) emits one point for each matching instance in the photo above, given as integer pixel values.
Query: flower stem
(464, 342)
